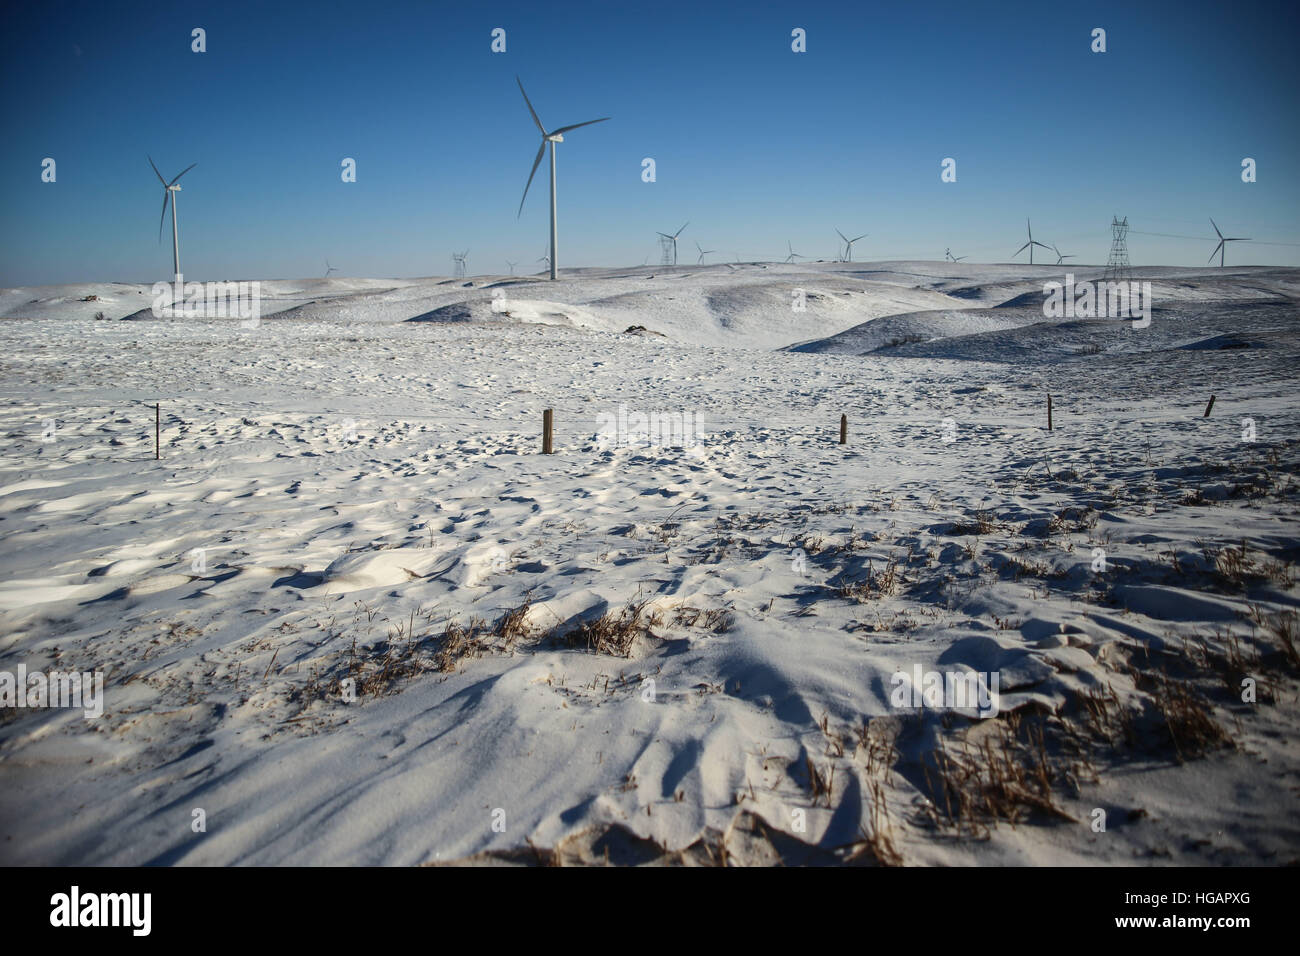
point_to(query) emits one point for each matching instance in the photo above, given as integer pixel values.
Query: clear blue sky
(754, 144)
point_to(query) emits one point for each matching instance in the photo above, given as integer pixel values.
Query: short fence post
(844, 429)
(157, 428)
(548, 420)
(1208, 407)
(1049, 411)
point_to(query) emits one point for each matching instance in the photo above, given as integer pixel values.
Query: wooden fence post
(157, 428)
(548, 421)
(1208, 407)
(1049, 411)
(844, 429)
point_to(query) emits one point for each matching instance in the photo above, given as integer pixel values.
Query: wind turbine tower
(668, 246)
(1030, 244)
(554, 137)
(1223, 243)
(170, 189)
(848, 245)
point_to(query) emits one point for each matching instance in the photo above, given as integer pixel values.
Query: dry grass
(1007, 774)
(1283, 627)
(876, 585)
(980, 523)
(718, 620)
(614, 632)
(1072, 520)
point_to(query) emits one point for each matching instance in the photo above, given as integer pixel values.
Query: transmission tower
(1117, 267)
(668, 247)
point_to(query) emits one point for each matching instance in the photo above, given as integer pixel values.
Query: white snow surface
(366, 461)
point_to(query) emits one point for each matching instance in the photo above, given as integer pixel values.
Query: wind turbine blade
(532, 111)
(679, 231)
(863, 236)
(1215, 252)
(163, 217)
(155, 171)
(841, 235)
(536, 162)
(565, 129)
(182, 173)
(1020, 250)
(1216, 229)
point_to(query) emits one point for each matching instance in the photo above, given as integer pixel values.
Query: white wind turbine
(329, 268)
(512, 266)
(1030, 244)
(170, 189)
(848, 244)
(673, 239)
(1223, 243)
(793, 255)
(1061, 256)
(703, 253)
(950, 257)
(557, 136)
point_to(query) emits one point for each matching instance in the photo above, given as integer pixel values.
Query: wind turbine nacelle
(555, 138)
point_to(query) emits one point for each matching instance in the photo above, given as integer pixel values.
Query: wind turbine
(1030, 244)
(557, 136)
(545, 258)
(673, 239)
(793, 255)
(512, 266)
(170, 189)
(703, 253)
(1222, 246)
(1060, 256)
(848, 244)
(950, 257)
(329, 268)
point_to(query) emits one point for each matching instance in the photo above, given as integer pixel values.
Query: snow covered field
(655, 652)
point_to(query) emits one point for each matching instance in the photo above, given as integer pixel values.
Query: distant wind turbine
(848, 244)
(512, 266)
(1060, 256)
(947, 253)
(1222, 246)
(329, 268)
(793, 255)
(170, 189)
(1030, 244)
(703, 253)
(673, 239)
(556, 136)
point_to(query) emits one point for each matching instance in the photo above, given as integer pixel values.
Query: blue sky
(754, 144)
